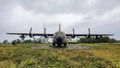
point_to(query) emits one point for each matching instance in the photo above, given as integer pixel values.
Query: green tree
(5, 41)
(113, 41)
(39, 40)
(100, 40)
(28, 41)
(18, 41)
(14, 42)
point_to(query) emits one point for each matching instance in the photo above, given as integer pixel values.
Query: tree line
(81, 40)
(99, 40)
(18, 41)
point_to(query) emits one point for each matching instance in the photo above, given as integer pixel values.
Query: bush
(27, 41)
(17, 41)
(5, 41)
(14, 42)
(94, 40)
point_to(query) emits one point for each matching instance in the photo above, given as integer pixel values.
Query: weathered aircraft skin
(59, 38)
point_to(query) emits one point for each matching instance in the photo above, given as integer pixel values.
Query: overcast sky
(102, 16)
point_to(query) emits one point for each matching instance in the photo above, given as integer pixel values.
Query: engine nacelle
(30, 35)
(73, 36)
(88, 36)
(22, 36)
(46, 36)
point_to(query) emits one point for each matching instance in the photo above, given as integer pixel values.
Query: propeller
(88, 33)
(73, 35)
(45, 34)
(30, 33)
(22, 37)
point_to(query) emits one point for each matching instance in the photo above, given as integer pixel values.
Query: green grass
(22, 56)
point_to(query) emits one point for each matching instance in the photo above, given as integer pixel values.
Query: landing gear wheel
(65, 44)
(54, 44)
(59, 45)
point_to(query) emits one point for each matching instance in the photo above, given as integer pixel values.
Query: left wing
(88, 35)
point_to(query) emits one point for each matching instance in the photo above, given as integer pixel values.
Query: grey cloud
(62, 6)
(69, 6)
(54, 6)
(91, 11)
(106, 5)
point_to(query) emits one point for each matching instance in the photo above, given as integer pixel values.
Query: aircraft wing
(89, 34)
(33, 34)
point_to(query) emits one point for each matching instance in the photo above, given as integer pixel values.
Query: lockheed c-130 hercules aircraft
(59, 37)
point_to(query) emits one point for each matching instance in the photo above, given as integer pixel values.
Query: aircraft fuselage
(59, 38)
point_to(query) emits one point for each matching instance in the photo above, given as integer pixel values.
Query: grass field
(22, 56)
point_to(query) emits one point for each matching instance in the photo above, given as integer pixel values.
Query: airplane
(59, 37)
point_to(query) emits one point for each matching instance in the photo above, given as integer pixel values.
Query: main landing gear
(59, 44)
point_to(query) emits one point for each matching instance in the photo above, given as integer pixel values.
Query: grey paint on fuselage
(59, 38)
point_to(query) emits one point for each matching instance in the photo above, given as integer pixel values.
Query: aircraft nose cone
(59, 39)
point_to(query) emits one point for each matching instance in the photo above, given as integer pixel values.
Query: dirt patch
(68, 47)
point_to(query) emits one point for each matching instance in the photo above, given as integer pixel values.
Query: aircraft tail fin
(59, 27)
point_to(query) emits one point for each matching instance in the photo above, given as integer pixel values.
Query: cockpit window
(59, 34)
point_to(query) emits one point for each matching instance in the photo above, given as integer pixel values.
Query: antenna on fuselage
(59, 27)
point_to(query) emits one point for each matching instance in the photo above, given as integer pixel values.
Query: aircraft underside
(59, 40)
(59, 44)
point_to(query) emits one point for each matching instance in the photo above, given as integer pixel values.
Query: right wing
(22, 35)
(33, 34)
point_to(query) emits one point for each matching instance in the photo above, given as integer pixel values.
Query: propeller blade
(88, 33)
(45, 34)
(73, 31)
(44, 30)
(30, 32)
(73, 36)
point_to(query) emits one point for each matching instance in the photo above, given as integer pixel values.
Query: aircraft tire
(59, 45)
(65, 44)
(53, 44)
